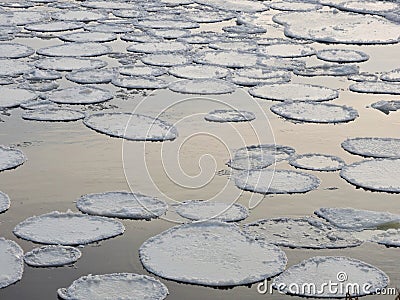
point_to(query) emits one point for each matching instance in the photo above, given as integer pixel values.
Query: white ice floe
(303, 232)
(368, 6)
(363, 76)
(199, 72)
(269, 181)
(75, 50)
(202, 86)
(160, 46)
(141, 71)
(38, 86)
(42, 75)
(259, 156)
(317, 272)
(317, 162)
(203, 37)
(171, 24)
(110, 28)
(23, 17)
(140, 37)
(212, 254)
(53, 115)
(295, 6)
(234, 45)
(10, 158)
(199, 210)
(393, 75)
(373, 147)
(69, 63)
(109, 5)
(356, 219)
(376, 88)
(88, 37)
(68, 228)
(39, 104)
(80, 95)
(386, 106)
(166, 59)
(11, 261)
(231, 59)
(138, 82)
(328, 70)
(288, 50)
(342, 55)
(169, 34)
(312, 112)
(15, 50)
(14, 67)
(79, 15)
(13, 97)
(235, 5)
(122, 205)
(54, 26)
(263, 73)
(127, 286)
(131, 126)
(4, 202)
(248, 81)
(204, 15)
(294, 92)
(91, 76)
(389, 238)
(226, 115)
(52, 256)
(281, 64)
(244, 29)
(374, 174)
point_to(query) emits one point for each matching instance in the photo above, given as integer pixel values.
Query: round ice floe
(14, 67)
(171, 24)
(23, 17)
(38, 103)
(76, 50)
(204, 210)
(294, 6)
(342, 55)
(268, 181)
(91, 76)
(145, 71)
(317, 162)
(89, 37)
(122, 205)
(54, 26)
(386, 106)
(376, 174)
(203, 37)
(294, 92)
(259, 156)
(393, 76)
(131, 126)
(209, 16)
(12, 97)
(69, 63)
(368, 6)
(39, 86)
(389, 238)
(78, 15)
(53, 115)
(138, 82)
(199, 72)
(140, 37)
(110, 28)
(244, 29)
(4, 202)
(158, 47)
(363, 76)
(373, 147)
(127, 286)
(356, 219)
(42, 75)
(235, 45)
(67, 228)
(109, 5)
(170, 33)
(281, 64)
(12, 263)
(328, 70)
(235, 5)
(340, 271)
(52, 256)
(226, 115)
(306, 111)
(15, 50)
(217, 253)
(232, 59)
(262, 73)
(286, 50)
(166, 59)
(247, 81)
(202, 86)
(301, 232)
(80, 95)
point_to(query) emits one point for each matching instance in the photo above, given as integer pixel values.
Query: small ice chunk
(386, 106)
(389, 238)
(10, 158)
(88, 37)
(392, 76)
(288, 50)
(328, 70)
(54, 26)
(166, 59)
(91, 76)
(154, 47)
(11, 261)
(52, 256)
(141, 71)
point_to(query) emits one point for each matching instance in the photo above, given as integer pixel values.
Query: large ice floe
(10, 158)
(15, 50)
(158, 47)
(199, 210)
(202, 86)
(374, 174)
(226, 115)
(311, 278)
(68, 228)
(11, 262)
(293, 92)
(139, 82)
(286, 50)
(75, 50)
(13, 97)
(53, 115)
(166, 59)
(303, 232)
(127, 286)
(80, 95)
(131, 126)
(317, 162)
(199, 72)
(211, 253)
(54, 26)
(356, 219)
(91, 76)
(373, 147)
(69, 63)
(52, 256)
(312, 112)
(4, 202)
(270, 181)
(379, 87)
(235, 5)
(139, 70)
(14, 67)
(89, 37)
(122, 205)
(223, 58)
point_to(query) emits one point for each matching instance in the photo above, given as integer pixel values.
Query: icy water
(68, 160)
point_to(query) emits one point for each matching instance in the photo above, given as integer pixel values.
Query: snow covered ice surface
(212, 254)
(230, 59)
(67, 228)
(133, 127)
(127, 286)
(202, 86)
(122, 205)
(69, 63)
(328, 70)
(91, 76)
(11, 261)
(389, 238)
(340, 270)
(139, 82)
(75, 50)
(4, 202)
(373, 147)
(199, 210)
(52, 256)
(53, 115)
(15, 50)
(317, 162)
(225, 115)
(10, 158)
(386, 106)
(199, 72)
(393, 76)
(80, 95)
(342, 55)
(13, 97)
(376, 87)
(356, 219)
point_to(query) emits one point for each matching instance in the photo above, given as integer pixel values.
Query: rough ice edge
(67, 255)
